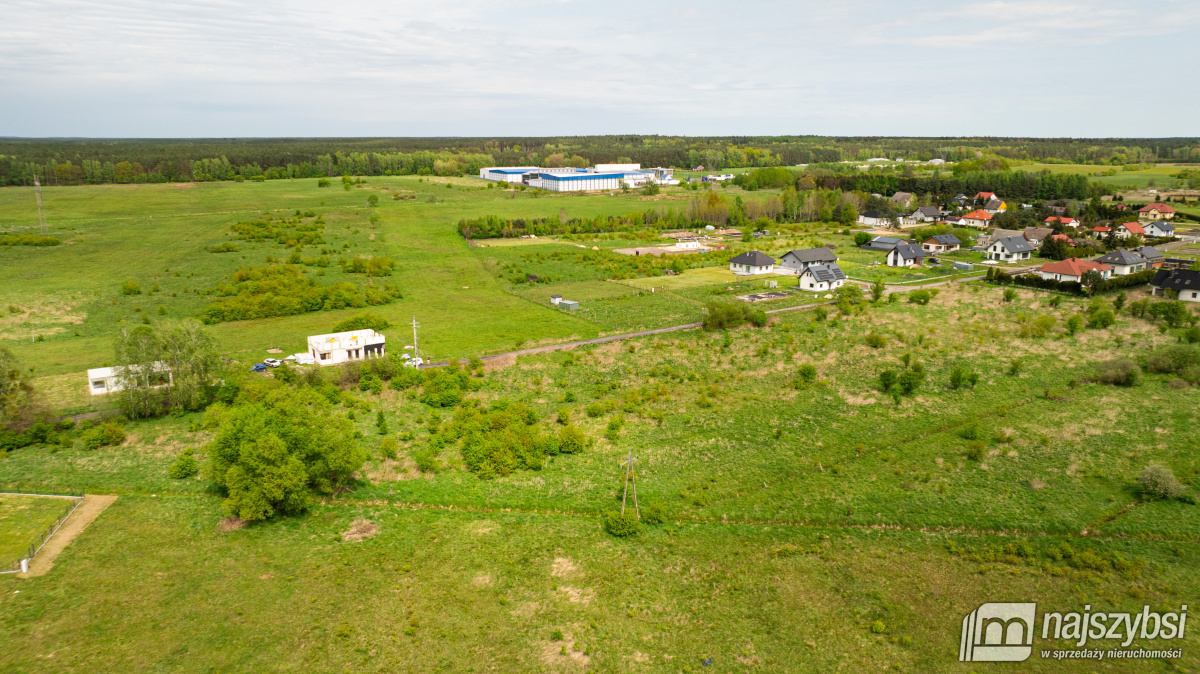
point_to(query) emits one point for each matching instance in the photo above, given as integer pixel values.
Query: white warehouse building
(600, 177)
(343, 347)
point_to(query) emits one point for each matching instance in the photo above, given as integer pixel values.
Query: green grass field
(22, 520)
(810, 527)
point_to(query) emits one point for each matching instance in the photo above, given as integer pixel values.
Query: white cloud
(467, 67)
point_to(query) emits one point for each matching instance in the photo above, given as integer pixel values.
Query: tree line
(79, 161)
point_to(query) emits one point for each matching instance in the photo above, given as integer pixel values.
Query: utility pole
(630, 476)
(37, 193)
(415, 325)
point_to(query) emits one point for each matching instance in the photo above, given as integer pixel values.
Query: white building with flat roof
(343, 347)
(599, 177)
(102, 380)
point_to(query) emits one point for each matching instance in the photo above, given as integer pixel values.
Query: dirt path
(87, 511)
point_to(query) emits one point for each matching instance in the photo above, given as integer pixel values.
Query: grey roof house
(799, 260)
(1124, 262)
(882, 243)
(753, 262)
(822, 277)
(1009, 249)
(1185, 283)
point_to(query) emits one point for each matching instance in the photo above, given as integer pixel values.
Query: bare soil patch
(359, 530)
(232, 524)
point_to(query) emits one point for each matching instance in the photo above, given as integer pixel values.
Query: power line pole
(37, 193)
(415, 325)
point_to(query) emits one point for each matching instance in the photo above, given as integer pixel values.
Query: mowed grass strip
(23, 519)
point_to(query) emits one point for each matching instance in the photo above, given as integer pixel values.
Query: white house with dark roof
(882, 243)
(1184, 282)
(905, 255)
(753, 262)
(1124, 262)
(822, 277)
(926, 214)
(1009, 249)
(799, 260)
(1160, 229)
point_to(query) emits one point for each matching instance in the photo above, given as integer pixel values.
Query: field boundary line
(23, 563)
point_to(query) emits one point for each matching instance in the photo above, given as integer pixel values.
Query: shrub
(807, 373)
(1191, 335)
(185, 466)
(875, 341)
(909, 381)
(820, 313)
(370, 382)
(571, 440)
(388, 448)
(1119, 372)
(1010, 294)
(721, 316)
(921, 297)
(227, 247)
(1101, 319)
(426, 459)
(887, 380)
(975, 450)
(878, 627)
(131, 288)
(1173, 359)
(962, 377)
(1157, 481)
(107, 433)
(564, 415)
(594, 410)
(1074, 324)
(620, 525)
(655, 513)
(362, 322)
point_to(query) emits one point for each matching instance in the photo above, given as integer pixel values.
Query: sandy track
(79, 520)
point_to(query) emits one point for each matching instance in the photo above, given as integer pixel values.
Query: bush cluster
(283, 290)
(723, 316)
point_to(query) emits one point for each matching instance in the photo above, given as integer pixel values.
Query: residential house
(902, 199)
(1009, 249)
(1036, 236)
(956, 220)
(1123, 262)
(1128, 229)
(977, 218)
(1100, 231)
(998, 234)
(822, 277)
(1156, 212)
(905, 255)
(1160, 229)
(1185, 283)
(985, 196)
(1154, 259)
(874, 219)
(343, 347)
(926, 214)
(752, 262)
(882, 244)
(1061, 220)
(995, 206)
(941, 243)
(799, 260)
(1072, 269)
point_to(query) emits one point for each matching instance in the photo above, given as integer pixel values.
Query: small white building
(822, 277)
(1009, 249)
(102, 380)
(753, 262)
(1160, 228)
(343, 347)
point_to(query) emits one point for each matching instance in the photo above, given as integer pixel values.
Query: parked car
(272, 362)
(258, 367)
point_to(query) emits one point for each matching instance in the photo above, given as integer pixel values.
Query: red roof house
(1066, 222)
(1156, 212)
(1072, 269)
(978, 218)
(1130, 228)
(985, 195)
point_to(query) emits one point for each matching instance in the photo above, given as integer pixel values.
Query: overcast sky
(151, 68)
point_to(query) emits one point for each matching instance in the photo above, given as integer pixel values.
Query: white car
(272, 362)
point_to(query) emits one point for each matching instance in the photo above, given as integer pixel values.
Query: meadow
(813, 521)
(22, 520)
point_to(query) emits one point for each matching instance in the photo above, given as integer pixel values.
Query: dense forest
(79, 161)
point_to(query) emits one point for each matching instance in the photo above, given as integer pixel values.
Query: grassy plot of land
(423, 590)
(23, 519)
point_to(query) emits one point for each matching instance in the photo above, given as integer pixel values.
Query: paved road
(674, 328)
